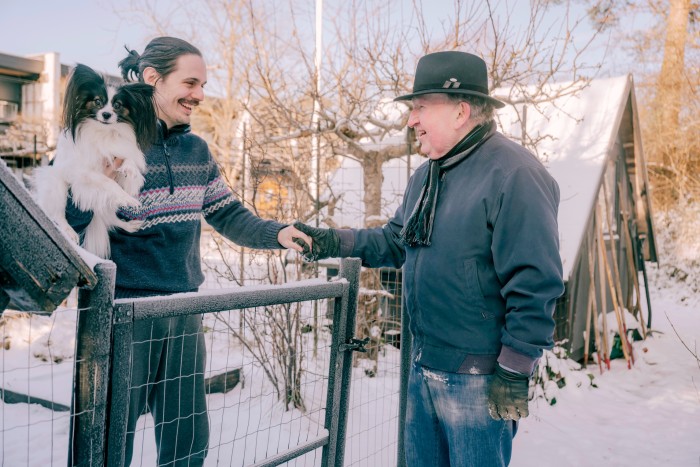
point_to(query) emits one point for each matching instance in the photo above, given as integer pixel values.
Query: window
(8, 111)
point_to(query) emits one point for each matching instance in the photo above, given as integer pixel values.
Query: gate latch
(356, 345)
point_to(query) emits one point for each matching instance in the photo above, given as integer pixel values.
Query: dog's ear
(143, 89)
(145, 119)
(84, 85)
(83, 73)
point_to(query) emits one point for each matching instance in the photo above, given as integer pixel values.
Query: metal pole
(315, 148)
(339, 375)
(241, 248)
(88, 422)
(241, 256)
(406, 344)
(315, 143)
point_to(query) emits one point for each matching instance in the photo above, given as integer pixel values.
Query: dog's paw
(127, 201)
(130, 177)
(132, 225)
(71, 234)
(131, 180)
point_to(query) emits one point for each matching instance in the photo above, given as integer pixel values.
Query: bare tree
(262, 58)
(525, 57)
(672, 134)
(670, 82)
(262, 54)
(665, 58)
(227, 120)
(369, 60)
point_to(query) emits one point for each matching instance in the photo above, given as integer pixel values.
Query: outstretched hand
(291, 237)
(326, 242)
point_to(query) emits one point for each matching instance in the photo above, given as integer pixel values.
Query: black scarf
(417, 231)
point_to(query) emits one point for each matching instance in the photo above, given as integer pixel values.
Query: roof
(20, 67)
(584, 126)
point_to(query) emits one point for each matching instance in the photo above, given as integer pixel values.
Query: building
(30, 102)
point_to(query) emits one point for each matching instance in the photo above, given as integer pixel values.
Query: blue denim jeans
(448, 423)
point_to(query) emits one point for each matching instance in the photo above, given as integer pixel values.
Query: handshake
(326, 242)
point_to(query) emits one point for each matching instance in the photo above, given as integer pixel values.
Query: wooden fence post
(88, 422)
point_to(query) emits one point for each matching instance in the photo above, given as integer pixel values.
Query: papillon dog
(100, 125)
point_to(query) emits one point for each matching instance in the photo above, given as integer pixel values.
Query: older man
(477, 237)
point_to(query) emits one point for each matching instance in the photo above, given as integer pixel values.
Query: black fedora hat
(451, 72)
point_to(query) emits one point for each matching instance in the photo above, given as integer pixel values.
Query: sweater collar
(166, 132)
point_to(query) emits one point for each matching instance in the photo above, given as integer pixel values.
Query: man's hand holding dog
(110, 168)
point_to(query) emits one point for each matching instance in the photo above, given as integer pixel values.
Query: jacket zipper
(167, 164)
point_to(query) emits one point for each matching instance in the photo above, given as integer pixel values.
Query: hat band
(451, 85)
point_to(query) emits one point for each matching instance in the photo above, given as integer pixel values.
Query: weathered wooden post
(38, 266)
(91, 373)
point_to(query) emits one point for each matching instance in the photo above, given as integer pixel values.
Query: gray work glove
(508, 395)
(326, 242)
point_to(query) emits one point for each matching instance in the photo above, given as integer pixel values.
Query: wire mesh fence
(255, 410)
(263, 398)
(36, 366)
(373, 416)
(267, 421)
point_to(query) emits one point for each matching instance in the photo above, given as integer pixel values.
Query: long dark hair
(161, 54)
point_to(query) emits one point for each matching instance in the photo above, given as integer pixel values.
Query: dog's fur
(99, 125)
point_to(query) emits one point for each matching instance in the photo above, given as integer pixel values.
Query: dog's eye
(98, 102)
(117, 105)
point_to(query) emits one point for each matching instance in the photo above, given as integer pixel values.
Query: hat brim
(495, 102)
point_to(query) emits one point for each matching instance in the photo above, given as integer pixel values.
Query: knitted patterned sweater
(182, 184)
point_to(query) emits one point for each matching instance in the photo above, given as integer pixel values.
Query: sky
(82, 31)
(90, 32)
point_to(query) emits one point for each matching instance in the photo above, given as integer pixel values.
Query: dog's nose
(106, 115)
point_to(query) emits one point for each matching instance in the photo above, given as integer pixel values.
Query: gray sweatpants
(167, 379)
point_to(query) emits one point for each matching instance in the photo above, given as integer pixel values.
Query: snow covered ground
(648, 415)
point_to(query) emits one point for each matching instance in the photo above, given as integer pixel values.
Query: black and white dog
(99, 124)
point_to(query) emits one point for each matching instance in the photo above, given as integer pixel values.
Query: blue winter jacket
(485, 289)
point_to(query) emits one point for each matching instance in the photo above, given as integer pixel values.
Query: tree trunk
(667, 102)
(372, 184)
